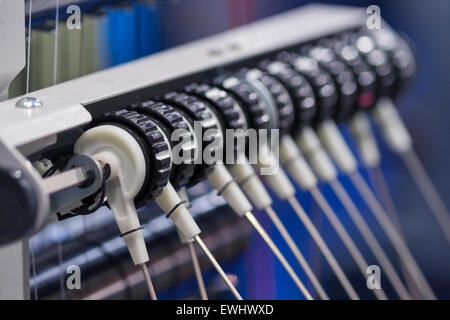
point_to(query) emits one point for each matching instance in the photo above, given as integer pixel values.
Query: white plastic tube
(296, 165)
(226, 186)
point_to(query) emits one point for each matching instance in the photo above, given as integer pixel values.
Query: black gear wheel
(364, 75)
(282, 100)
(197, 110)
(154, 146)
(254, 106)
(298, 88)
(343, 76)
(376, 58)
(230, 112)
(319, 79)
(173, 120)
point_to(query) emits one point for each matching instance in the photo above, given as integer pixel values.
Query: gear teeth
(249, 99)
(230, 110)
(173, 120)
(201, 111)
(282, 100)
(158, 150)
(298, 88)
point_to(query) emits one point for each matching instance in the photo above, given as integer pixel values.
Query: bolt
(18, 174)
(29, 103)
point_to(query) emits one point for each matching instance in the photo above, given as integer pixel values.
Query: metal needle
(198, 272)
(345, 237)
(428, 190)
(323, 248)
(393, 235)
(218, 268)
(148, 280)
(297, 253)
(278, 254)
(371, 240)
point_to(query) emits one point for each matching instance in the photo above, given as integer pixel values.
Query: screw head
(29, 103)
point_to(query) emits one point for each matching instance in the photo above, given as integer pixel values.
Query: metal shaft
(393, 235)
(345, 237)
(198, 271)
(324, 248)
(148, 281)
(278, 254)
(378, 181)
(296, 252)
(218, 267)
(428, 190)
(371, 240)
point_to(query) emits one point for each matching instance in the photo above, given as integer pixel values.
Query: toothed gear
(400, 55)
(254, 106)
(158, 150)
(364, 74)
(230, 111)
(197, 110)
(320, 81)
(343, 77)
(282, 100)
(376, 58)
(173, 120)
(298, 88)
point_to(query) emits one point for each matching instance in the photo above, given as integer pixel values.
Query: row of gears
(333, 78)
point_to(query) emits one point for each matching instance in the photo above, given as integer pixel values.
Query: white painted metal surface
(63, 108)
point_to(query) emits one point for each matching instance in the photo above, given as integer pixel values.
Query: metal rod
(64, 180)
(371, 240)
(297, 253)
(148, 281)
(198, 271)
(393, 235)
(345, 237)
(218, 268)
(33, 269)
(27, 89)
(55, 54)
(378, 181)
(428, 191)
(278, 254)
(323, 248)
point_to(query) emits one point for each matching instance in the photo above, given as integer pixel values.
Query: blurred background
(114, 32)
